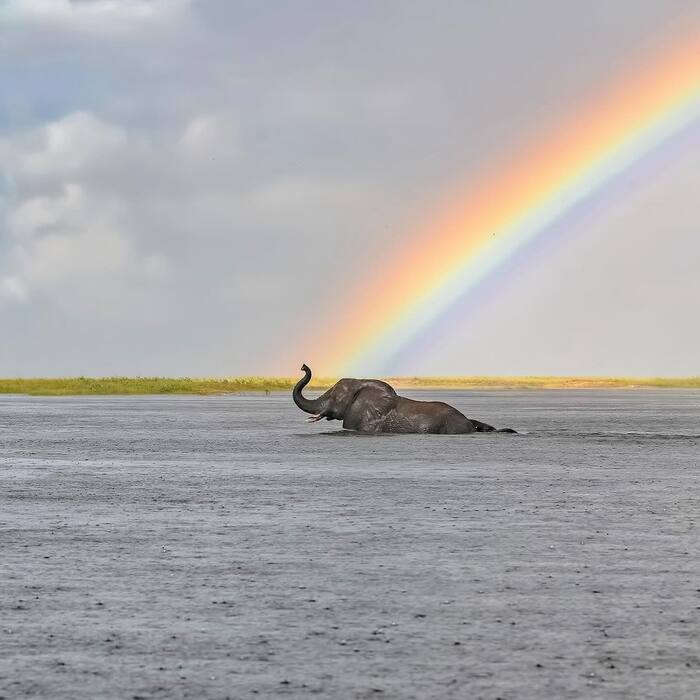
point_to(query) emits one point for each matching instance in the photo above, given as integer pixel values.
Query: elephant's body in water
(372, 406)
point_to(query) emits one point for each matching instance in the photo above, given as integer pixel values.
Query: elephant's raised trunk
(314, 406)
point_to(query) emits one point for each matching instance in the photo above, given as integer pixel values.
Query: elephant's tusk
(314, 418)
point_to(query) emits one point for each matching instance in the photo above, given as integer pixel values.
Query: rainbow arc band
(514, 203)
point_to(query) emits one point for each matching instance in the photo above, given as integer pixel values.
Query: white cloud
(209, 135)
(12, 289)
(64, 148)
(90, 15)
(69, 238)
(208, 151)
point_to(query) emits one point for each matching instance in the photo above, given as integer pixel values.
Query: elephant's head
(335, 403)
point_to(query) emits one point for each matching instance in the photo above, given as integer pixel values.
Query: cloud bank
(187, 187)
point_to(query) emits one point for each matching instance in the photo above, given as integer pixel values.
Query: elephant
(372, 406)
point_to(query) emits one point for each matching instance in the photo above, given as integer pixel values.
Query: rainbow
(513, 204)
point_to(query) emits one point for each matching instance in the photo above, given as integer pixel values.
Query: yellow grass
(184, 385)
(546, 382)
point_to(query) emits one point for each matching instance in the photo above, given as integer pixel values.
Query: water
(162, 547)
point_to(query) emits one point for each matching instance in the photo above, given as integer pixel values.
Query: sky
(193, 187)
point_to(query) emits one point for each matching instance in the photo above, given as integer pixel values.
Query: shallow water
(220, 547)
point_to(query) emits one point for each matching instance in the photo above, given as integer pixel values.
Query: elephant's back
(411, 416)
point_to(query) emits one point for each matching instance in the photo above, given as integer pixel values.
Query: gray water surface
(214, 547)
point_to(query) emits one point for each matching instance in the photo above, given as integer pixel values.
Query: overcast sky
(184, 181)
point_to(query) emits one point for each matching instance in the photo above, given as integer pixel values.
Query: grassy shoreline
(80, 386)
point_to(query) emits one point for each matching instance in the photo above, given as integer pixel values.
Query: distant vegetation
(546, 382)
(162, 385)
(77, 386)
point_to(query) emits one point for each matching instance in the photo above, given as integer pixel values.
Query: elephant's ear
(370, 405)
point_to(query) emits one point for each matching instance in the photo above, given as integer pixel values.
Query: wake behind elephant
(372, 406)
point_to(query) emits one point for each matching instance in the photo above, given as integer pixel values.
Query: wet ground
(183, 547)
